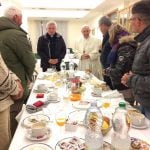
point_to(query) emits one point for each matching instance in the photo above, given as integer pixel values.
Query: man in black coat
(51, 48)
(104, 25)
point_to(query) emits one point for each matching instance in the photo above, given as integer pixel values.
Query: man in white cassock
(87, 51)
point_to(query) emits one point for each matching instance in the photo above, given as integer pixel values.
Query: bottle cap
(122, 104)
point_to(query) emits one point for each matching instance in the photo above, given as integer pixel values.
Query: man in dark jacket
(104, 25)
(139, 78)
(17, 53)
(51, 48)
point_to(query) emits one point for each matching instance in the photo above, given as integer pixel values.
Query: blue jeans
(146, 111)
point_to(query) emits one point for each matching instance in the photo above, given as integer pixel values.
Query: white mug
(38, 129)
(52, 96)
(41, 87)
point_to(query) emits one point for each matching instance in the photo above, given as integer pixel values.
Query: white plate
(140, 127)
(40, 91)
(106, 145)
(81, 105)
(96, 95)
(30, 120)
(37, 146)
(66, 140)
(44, 137)
(146, 125)
(77, 116)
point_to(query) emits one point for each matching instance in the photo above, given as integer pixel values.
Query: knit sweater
(8, 86)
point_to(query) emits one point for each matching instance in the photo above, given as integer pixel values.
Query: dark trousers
(14, 110)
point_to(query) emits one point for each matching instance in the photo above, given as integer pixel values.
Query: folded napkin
(111, 94)
(37, 106)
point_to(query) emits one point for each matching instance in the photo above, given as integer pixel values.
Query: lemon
(105, 125)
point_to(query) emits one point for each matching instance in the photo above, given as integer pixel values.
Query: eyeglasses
(134, 18)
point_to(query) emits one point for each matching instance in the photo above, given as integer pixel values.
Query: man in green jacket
(17, 53)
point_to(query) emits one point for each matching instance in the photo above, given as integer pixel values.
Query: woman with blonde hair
(120, 58)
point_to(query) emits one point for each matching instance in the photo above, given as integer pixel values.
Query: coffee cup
(38, 129)
(52, 96)
(41, 87)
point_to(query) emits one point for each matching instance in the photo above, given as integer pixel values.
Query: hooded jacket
(16, 51)
(123, 64)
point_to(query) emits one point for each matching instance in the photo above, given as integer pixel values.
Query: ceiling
(63, 9)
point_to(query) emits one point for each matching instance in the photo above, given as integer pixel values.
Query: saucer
(82, 105)
(30, 120)
(38, 146)
(140, 127)
(53, 100)
(96, 95)
(144, 126)
(40, 91)
(40, 138)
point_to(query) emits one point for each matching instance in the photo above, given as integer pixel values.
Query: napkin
(37, 106)
(111, 94)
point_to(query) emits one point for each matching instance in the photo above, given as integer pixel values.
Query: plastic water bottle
(121, 125)
(63, 66)
(93, 121)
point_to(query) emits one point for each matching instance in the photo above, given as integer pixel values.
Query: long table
(19, 140)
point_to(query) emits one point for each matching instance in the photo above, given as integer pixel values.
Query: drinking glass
(53, 68)
(60, 118)
(106, 104)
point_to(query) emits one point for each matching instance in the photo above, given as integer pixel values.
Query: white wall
(33, 33)
(74, 32)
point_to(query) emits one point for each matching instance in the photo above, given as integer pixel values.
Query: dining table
(58, 82)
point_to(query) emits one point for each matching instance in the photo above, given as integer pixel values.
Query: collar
(57, 35)
(142, 36)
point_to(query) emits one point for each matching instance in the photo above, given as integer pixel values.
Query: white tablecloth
(19, 140)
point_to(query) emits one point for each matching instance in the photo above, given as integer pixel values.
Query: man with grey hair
(51, 48)
(104, 25)
(17, 53)
(139, 78)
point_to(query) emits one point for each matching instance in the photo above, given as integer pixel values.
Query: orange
(75, 97)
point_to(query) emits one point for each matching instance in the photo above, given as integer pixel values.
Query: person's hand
(104, 72)
(20, 93)
(126, 77)
(53, 61)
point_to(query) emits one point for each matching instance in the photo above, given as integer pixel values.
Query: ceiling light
(54, 13)
(85, 4)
